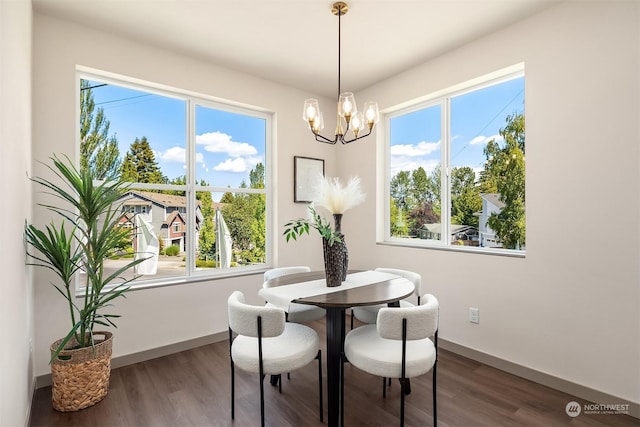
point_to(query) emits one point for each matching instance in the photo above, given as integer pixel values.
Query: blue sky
(476, 118)
(228, 145)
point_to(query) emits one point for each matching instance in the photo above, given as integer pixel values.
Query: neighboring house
(463, 234)
(167, 213)
(490, 204)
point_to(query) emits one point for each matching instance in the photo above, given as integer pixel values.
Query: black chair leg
(233, 378)
(384, 387)
(262, 400)
(435, 406)
(273, 380)
(402, 385)
(233, 392)
(343, 357)
(319, 357)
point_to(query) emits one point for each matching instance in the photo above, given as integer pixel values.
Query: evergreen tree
(99, 152)
(140, 164)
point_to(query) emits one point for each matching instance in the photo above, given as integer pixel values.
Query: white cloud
(481, 139)
(410, 164)
(217, 142)
(237, 165)
(173, 155)
(177, 155)
(422, 148)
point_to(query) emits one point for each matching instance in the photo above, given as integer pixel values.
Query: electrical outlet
(474, 315)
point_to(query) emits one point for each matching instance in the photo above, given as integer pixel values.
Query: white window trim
(192, 98)
(383, 178)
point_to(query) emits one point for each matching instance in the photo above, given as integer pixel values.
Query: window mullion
(445, 182)
(190, 191)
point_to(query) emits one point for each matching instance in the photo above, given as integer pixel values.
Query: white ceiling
(295, 42)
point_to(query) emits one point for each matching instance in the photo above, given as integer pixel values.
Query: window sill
(180, 280)
(464, 249)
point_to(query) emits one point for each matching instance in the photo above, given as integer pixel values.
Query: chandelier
(348, 116)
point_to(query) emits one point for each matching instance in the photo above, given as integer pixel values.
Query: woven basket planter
(80, 376)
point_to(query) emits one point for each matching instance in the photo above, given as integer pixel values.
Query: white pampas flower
(337, 199)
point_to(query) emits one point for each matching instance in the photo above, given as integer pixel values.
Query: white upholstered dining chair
(297, 313)
(399, 346)
(267, 345)
(369, 313)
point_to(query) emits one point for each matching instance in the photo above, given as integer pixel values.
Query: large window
(198, 173)
(456, 168)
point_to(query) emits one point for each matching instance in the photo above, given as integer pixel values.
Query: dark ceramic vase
(333, 262)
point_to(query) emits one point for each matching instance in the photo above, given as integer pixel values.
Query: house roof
(171, 218)
(493, 198)
(162, 199)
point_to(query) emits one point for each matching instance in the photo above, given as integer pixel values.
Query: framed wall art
(305, 172)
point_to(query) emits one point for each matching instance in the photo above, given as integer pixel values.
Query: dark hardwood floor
(192, 388)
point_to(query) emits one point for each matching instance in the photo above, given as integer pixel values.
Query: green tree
(504, 171)
(207, 237)
(434, 188)
(227, 198)
(421, 191)
(421, 215)
(258, 205)
(237, 216)
(465, 197)
(398, 226)
(401, 191)
(245, 215)
(140, 164)
(99, 153)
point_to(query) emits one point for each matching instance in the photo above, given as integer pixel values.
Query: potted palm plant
(78, 245)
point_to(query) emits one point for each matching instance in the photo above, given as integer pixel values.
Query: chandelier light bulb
(347, 105)
(371, 112)
(357, 123)
(311, 110)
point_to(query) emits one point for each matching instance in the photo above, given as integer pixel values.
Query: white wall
(571, 307)
(160, 316)
(16, 314)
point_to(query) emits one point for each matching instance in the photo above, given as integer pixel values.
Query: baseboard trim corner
(586, 393)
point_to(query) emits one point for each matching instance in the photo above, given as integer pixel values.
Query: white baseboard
(556, 383)
(130, 359)
(586, 393)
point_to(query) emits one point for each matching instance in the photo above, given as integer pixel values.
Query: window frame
(443, 99)
(193, 99)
